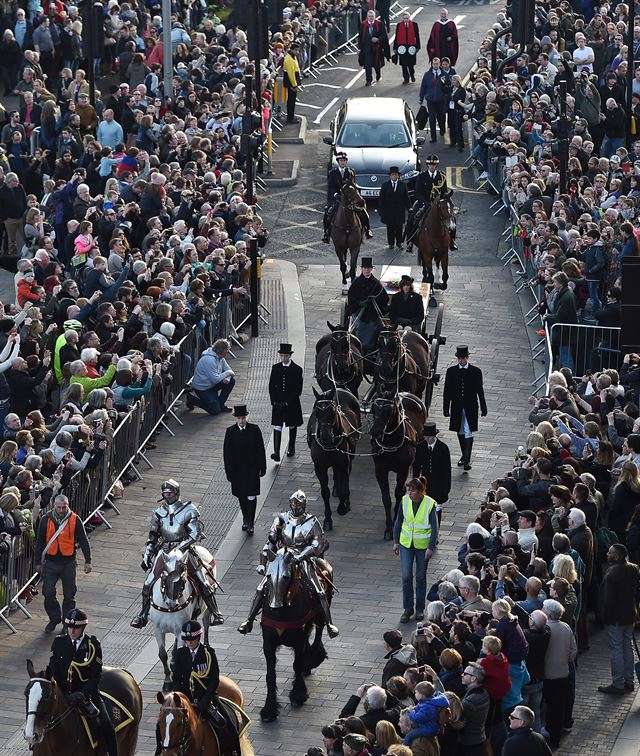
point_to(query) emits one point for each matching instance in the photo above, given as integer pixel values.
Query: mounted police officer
(430, 185)
(76, 664)
(336, 178)
(367, 300)
(302, 533)
(175, 523)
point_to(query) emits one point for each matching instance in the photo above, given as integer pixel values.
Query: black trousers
(66, 573)
(292, 96)
(408, 72)
(455, 127)
(556, 694)
(436, 114)
(394, 234)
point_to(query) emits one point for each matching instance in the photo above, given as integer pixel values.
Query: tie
(394, 186)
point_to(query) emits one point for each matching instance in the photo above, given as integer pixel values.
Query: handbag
(422, 117)
(637, 664)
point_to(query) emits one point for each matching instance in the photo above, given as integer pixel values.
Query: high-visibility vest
(416, 530)
(66, 541)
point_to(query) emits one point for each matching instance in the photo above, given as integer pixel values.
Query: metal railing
(582, 348)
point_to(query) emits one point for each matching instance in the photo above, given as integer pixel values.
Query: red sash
(404, 36)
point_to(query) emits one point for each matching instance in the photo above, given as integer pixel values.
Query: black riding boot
(291, 448)
(244, 509)
(325, 226)
(452, 239)
(107, 731)
(158, 751)
(467, 456)
(209, 598)
(277, 439)
(366, 223)
(142, 619)
(463, 449)
(251, 514)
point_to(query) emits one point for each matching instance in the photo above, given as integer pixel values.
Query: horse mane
(177, 700)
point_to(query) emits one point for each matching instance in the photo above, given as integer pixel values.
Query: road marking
(305, 105)
(455, 181)
(320, 84)
(322, 113)
(341, 68)
(457, 21)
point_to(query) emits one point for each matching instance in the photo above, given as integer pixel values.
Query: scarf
(406, 36)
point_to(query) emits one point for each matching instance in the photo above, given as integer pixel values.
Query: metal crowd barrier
(582, 348)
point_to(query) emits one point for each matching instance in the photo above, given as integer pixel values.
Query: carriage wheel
(434, 350)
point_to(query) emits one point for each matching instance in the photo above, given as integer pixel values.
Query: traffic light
(523, 21)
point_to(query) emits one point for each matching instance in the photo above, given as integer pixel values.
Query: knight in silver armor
(175, 524)
(302, 533)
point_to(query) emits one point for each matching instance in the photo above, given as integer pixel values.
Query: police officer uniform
(285, 388)
(430, 185)
(77, 667)
(335, 179)
(463, 391)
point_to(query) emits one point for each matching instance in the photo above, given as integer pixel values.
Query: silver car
(376, 133)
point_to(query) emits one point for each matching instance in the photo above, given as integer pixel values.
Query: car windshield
(361, 134)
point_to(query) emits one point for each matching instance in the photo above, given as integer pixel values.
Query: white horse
(174, 601)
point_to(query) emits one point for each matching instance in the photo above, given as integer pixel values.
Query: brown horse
(53, 727)
(183, 733)
(403, 363)
(396, 429)
(434, 239)
(346, 229)
(339, 358)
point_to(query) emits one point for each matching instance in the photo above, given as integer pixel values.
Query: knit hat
(355, 741)
(476, 542)
(6, 324)
(158, 179)
(528, 514)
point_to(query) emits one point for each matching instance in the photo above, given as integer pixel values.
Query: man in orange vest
(60, 532)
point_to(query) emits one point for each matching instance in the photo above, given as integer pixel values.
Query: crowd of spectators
(557, 539)
(575, 240)
(129, 223)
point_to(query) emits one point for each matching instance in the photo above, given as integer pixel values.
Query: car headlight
(409, 175)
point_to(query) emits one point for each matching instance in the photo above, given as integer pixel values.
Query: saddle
(236, 723)
(118, 714)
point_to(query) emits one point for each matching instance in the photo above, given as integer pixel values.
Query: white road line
(320, 84)
(322, 113)
(304, 105)
(341, 68)
(458, 19)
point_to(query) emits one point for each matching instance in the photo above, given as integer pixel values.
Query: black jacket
(407, 310)
(428, 187)
(336, 179)
(525, 742)
(204, 663)
(371, 717)
(393, 205)
(13, 202)
(86, 673)
(245, 461)
(436, 467)
(538, 641)
(285, 388)
(619, 594)
(22, 385)
(362, 292)
(463, 390)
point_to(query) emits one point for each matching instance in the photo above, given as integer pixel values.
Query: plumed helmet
(191, 630)
(298, 502)
(76, 618)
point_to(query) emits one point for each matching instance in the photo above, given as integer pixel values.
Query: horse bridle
(179, 607)
(351, 363)
(350, 205)
(337, 439)
(402, 423)
(52, 722)
(182, 746)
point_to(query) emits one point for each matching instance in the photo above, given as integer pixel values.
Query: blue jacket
(426, 717)
(594, 261)
(431, 87)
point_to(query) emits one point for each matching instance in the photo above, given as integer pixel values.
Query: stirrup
(245, 627)
(139, 622)
(216, 619)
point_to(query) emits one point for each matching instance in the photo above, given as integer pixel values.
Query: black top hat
(341, 155)
(240, 410)
(285, 349)
(76, 618)
(394, 169)
(430, 429)
(405, 279)
(432, 159)
(462, 350)
(191, 630)
(367, 262)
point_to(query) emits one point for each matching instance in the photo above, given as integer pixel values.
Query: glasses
(516, 718)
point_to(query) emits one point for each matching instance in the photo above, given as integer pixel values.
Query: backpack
(605, 537)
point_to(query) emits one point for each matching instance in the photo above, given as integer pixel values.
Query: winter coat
(497, 681)
(514, 644)
(619, 594)
(398, 661)
(426, 714)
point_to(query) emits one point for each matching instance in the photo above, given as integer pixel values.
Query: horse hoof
(425, 279)
(342, 509)
(268, 717)
(443, 286)
(388, 535)
(327, 525)
(433, 302)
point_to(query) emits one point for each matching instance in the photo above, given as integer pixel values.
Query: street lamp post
(630, 71)
(167, 50)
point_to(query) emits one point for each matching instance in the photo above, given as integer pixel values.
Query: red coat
(443, 42)
(497, 682)
(380, 48)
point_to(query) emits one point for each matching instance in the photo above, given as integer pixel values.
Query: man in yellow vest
(415, 535)
(291, 80)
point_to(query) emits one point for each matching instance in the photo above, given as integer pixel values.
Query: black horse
(397, 424)
(339, 357)
(333, 432)
(289, 613)
(403, 363)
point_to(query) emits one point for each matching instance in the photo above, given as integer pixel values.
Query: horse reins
(55, 721)
(184, 741)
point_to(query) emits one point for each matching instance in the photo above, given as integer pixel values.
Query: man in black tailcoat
(433, 460)
(245, 462)
(393, 205)
(285, 388)
(463, 392)
(367, 300)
